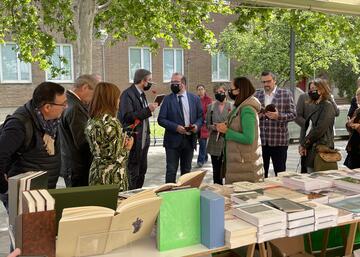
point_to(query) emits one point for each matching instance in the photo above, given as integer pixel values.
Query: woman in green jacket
(242, 135)
(108, 143)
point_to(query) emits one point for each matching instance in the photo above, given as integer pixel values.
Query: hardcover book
(178, 224)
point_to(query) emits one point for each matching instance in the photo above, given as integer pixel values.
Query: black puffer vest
(36, 158)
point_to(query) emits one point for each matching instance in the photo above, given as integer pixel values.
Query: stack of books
(270, 222)
(35, 227)
(325, 216)
(246, 198)
(348, 183)
(304, 182)
(336, 194)
(351, 205)
(300, 218)
(278, 192)
(239, 233)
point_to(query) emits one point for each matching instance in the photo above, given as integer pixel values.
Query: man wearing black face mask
(134, 106)
(181, 116)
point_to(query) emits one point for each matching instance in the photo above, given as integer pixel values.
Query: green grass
(157, 130)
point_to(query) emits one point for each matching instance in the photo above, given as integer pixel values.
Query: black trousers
(278, 155)
(137, 169)
(184, 153)
(216, 163)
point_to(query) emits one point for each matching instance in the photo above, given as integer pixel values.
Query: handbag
(326, 158)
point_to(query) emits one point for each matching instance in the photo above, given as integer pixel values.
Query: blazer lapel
(177, 106)
(190, 106)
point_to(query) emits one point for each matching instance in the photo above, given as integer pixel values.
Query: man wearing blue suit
(181, 116)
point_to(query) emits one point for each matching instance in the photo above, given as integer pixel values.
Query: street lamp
(103, 38)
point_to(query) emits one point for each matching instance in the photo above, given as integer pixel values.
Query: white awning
(350, 7)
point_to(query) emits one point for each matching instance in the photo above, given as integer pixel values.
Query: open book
(91, 230)
(191, 179)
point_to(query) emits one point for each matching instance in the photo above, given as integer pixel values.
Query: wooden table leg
(308, 240)
(262, 250)
(325, 242)
(250, 250)
(351, 238)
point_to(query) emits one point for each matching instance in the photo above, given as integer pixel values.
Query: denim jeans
(202, 157)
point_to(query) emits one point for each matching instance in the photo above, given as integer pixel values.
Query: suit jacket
(131, 108)
(75, 153)
(170, 117)
(275, 132)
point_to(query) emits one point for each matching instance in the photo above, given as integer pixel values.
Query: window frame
(18, 63)
(174, 62)
(47, 73)
(218, 70)
(131, 80)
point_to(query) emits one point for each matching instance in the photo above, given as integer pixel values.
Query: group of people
(94, 134)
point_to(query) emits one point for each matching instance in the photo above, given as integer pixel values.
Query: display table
(147, 247)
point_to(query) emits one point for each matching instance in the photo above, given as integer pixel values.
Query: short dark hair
(246, 89)
(183, 78)
(46, 92)
(140, 74)
(267, 72)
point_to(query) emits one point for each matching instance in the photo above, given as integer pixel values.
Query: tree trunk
(85, 11)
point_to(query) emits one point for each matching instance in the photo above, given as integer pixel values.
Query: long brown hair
(105, 100)
(246, 89)
(323, 85)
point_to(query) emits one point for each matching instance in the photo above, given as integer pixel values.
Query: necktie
(181, 108)
(143, 99)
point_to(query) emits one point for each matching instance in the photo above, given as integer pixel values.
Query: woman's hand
(15, 253)
(129, 141)
(355, 126)
(221, 127)
(302, 151)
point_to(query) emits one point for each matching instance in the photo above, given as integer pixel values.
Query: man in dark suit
(181, 116)
(75, 152)
(279, 109)
(134, 106)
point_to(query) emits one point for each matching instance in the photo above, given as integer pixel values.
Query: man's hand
(355, 126)
(152, 106)
(272, 115)
(193, 128)
(221, 127)
(180, 129)
(15, 253)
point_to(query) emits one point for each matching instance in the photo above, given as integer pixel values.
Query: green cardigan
(248, 121)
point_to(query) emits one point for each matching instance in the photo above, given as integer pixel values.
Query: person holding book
(134, 106)
(322, 119)
(218, 112)
(108, 143)
(181, 116)
(352, 160)
(242, 135)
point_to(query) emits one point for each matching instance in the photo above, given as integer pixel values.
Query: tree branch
(103, 6)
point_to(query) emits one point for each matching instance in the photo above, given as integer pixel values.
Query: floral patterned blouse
(106, 139)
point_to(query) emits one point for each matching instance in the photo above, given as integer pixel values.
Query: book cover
(250, 197)
(350, 204)
(293, 210)
(35, 233)
(178, 224)
(101, 195)
(212, 219)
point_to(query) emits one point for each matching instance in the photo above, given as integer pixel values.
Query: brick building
(17, 79)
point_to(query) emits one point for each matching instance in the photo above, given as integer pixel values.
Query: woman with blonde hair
(108, 143)
(322, 120)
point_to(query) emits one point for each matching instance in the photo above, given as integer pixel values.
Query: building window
(62, 51)
(139, 58)
(173, 62)
(13, 70)
(220, 67)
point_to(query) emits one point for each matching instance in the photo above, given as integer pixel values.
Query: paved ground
(156, 176)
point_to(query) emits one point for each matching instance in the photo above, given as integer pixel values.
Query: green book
(101, 195)
(178, 223)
